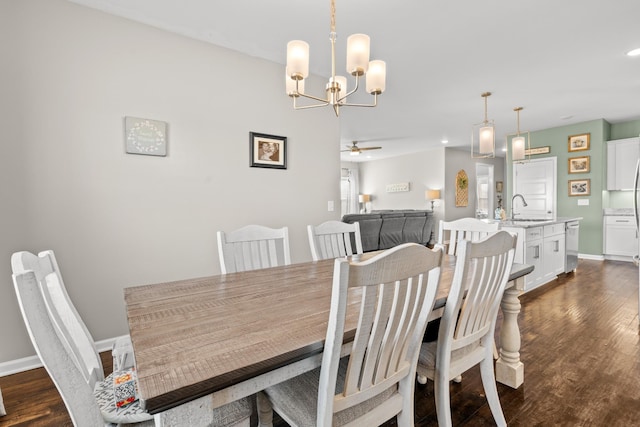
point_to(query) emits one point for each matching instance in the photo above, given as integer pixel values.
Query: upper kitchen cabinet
(622, 156)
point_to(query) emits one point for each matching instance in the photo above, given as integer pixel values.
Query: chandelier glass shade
(336, 92)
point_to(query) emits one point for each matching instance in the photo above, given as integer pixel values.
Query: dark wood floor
(580, 347)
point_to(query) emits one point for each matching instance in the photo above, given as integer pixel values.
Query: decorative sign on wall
(462, 189)
(396, 188)
(145, 136)
(538, 150)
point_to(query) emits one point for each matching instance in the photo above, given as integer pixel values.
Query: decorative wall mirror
(484, 191)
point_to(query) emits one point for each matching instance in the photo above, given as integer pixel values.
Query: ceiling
(563, 61)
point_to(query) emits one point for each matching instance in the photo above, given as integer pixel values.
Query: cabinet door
(533, 256)
(622, 155)
(554, 256)
(620, 236)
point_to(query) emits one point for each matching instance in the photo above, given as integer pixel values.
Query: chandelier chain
(333, 16)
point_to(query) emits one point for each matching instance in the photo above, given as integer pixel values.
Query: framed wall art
(579, 187)
(579, 142)
(579, 164)
(267, 151)
(145, 136)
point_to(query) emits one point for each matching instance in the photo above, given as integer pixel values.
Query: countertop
(618, 211)
(526, 223)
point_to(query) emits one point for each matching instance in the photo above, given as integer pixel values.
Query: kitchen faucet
(524, 203)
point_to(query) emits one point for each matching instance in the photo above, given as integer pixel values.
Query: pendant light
(521, 142)
(483, 135)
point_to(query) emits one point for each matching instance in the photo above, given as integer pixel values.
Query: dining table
(220, 338)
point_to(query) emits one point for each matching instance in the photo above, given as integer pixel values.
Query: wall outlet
(330, 206)
(583, 202)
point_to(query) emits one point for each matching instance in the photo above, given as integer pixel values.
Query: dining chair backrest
(253, 247)
(54, 351)
(464, 229)
(332, 239)
(397, 293)
(71, 325)
(466, 333)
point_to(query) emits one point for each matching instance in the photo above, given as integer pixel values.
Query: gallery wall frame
(579, 187)
(579, 164)
(267, 151)
(579, 142)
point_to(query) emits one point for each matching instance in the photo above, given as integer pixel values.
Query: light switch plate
(583, 202)
(330, 206)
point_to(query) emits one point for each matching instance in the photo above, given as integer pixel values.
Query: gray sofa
(386, 229)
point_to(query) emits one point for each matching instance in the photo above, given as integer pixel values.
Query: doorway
(484, 190)
(536, 181)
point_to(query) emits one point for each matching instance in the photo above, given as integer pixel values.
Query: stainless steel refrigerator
(636, 257)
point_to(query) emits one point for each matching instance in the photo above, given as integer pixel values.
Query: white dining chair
(464, 228)
(45, 264)
(332, 239)
(466, 333)
(253, 247)
(3, 411)
(68, 353)
(396, 291)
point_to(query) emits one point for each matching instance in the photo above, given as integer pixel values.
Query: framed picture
(579, 164)
(145, 136)
(579, 142)
(267, 151)
(579, 187)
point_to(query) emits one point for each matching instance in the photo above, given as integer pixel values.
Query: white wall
(457, 159)
(434, 169)
(69, 76)
(423, 170)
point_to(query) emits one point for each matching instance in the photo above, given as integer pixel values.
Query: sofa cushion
(413, 230)
(391, 230)
(369, 229)
(386, 229)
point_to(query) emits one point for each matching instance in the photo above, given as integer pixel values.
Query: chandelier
(358, 65)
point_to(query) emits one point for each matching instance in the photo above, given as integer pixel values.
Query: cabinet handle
(537, 255)
(557, 246)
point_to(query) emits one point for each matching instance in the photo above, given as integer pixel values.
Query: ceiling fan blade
(369, 148)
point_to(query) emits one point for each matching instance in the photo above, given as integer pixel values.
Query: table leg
(509, 368)
(265, 411)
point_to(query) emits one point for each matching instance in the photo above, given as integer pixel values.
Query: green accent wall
(558, 140)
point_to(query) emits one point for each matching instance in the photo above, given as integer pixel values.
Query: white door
(536, 181)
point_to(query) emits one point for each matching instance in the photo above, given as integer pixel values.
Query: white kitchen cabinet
(544, 248)
(622, 155)
(620, 237)
(533, 253)
(554, 250)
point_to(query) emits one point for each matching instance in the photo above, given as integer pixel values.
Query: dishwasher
(571, 245)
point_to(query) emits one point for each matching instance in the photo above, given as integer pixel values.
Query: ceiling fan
(354, 150)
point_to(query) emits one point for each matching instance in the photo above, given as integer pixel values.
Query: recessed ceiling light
(566, 117)
(634, 52)
(445, 141)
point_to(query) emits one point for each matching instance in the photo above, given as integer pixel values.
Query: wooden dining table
(230, 336)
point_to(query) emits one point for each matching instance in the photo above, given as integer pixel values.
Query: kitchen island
(544, 243)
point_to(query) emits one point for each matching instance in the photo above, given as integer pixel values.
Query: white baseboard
(591, 257)
(33, 362)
